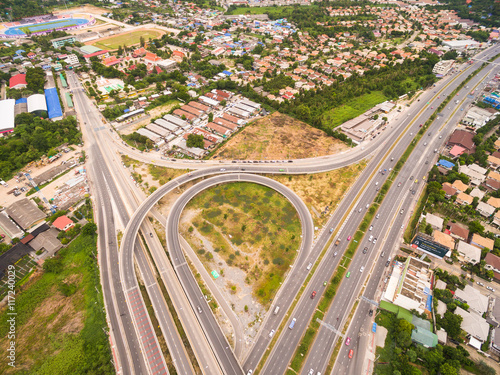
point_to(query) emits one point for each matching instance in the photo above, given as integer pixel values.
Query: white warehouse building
(37, 103)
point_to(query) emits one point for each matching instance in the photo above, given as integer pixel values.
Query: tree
(452, 324)
(195, 140)
(141, 41)
(447, 369)
(210, 117)
(89, 229)
(476, 227)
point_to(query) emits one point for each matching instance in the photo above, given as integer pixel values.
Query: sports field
(128, 39)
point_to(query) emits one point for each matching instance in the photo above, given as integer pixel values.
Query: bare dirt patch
(279, 136)
(322, 192)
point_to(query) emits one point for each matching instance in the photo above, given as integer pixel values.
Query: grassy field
(128, 39)
(283, 11)
(251, 227)
(279, 136)
(321, 192)
(60, 318)
(353, 108)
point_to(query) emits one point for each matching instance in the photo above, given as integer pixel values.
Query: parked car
(480, 283)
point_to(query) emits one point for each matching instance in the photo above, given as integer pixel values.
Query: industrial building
(53, 104)
(7, 111)
(37, 104)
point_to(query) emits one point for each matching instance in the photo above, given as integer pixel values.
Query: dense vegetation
(34, 137)
(48, 309)
(486, 12)
(35, 78)
(400, 356)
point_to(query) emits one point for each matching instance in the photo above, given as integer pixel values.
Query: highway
(283, 351)
(107, 198)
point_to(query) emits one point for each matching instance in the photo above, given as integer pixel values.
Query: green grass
(128, 39)
(49, 26)
(353, 108)
(260, 10)
(260, 223)
(58, 334)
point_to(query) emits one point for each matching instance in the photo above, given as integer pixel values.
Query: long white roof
(7, 111)
(36, 102)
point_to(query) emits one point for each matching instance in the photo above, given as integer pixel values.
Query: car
(348, 274)
(382, 254)
(411, 178)
(348, 341)
(365, 250)
(385, 280)
(349, 238)
(413, 192)
(362, 269)
(370, 239)
(371, 227)
(376, 183)
(421, 125)
(427, 162)
(331, 230)
(490, 288)
(368, 205)
(271, 333)
(360, 210)
(151, 234)
(416, 181)
(222, 169)
(374, 241)
(480, 283)
(199, 309)
(377, 216)
(399, 184)
(387, 263)
(324, 283)
(313, 294)
(309, 266)
(432, 107)
(440, 136)
(335, 254)
(282, 170)
(370, 313)
(351, 353)
(425, 143)
(250, 372)
(401, 212)
(311, 372)
(292, 323)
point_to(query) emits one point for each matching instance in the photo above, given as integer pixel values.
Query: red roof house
(63, 223)
(18, 81)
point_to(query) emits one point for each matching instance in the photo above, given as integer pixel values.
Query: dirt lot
(83, 9)
(321, 192)
(279, 136)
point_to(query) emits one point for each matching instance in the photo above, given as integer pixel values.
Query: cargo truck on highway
(337, 242)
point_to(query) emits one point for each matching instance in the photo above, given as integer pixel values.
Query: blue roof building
(227, 73)
(445, 164)
(22, 100)
(53, 104)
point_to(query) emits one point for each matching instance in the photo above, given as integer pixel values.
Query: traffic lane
(165, 320)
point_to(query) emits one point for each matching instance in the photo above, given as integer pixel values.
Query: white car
(371, 227)
(222, 169)
(362, 269)
(271, 334)
(490, 288)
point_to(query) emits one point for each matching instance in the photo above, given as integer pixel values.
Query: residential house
(458, 231)
(444, 239)
(475, 326)
(485, 209)
(493, 162)
(469, 253)
(435, 221)
(482, 242)
(449, 190)
(493, 264)
(463, 139)
(477, 301)
(464, 199)
(496, 218)
(63, 223)
(460, 186)
(476, 192)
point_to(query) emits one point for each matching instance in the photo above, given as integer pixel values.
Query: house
(178, 56)
(449, 190)
(491, 184)
(496, 218)
(152, 58)
(435, 221)
(63, 223)
(458, 231)
(493, 162)
(139, 52)
(495, 202)
(460, 186)
(476, 174)
(463, 139)
(444, 239)
(475, 326)
(473, 297)
(477, 193)
(482, 242)
(493, 264)
(464, 199)
(47, 241)
(18, 82)
(469, 253)
(485, 209)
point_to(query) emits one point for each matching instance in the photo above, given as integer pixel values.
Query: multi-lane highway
(126, 327)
